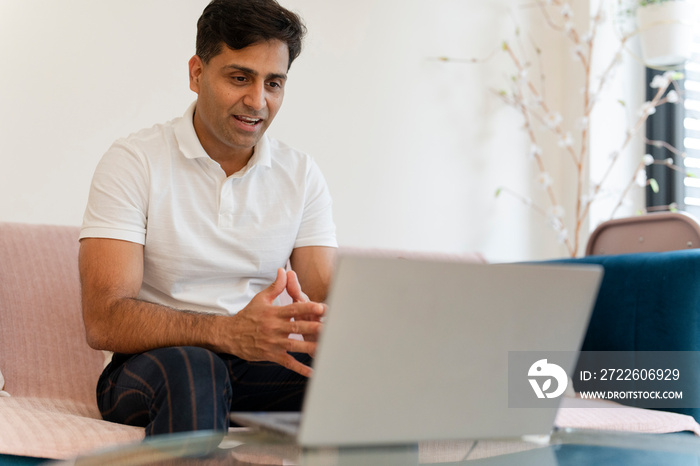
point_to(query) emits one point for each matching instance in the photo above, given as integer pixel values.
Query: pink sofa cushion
(58, 429)
(43, 352)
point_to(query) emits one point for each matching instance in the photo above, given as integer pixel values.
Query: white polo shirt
(211, 242)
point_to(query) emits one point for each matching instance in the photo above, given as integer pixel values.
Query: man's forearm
(111, 273)
(129, 325)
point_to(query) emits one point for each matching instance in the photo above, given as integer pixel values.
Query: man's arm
(314, 267)
(111, 274)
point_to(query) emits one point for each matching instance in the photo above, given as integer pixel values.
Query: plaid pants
(182, 389)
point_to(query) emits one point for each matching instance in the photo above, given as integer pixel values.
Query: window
(679, 126)
(691, 137)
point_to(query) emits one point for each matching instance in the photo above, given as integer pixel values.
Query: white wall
(77, 74)
(612, 120)
(413, 149)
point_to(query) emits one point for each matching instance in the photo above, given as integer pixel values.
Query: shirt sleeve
(317, 227)
(118, 201)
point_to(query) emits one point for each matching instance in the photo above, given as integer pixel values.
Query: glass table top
(563, 448)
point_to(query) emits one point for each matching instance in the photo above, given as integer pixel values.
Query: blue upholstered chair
(649, 301)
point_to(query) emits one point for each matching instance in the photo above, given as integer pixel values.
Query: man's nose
(255, 97)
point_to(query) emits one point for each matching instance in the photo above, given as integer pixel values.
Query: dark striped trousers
(182, 389)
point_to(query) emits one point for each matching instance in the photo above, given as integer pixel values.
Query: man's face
(239, 94)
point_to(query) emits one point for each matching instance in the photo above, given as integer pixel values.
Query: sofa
(48, 372)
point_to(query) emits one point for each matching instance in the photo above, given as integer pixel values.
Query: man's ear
(196, 67)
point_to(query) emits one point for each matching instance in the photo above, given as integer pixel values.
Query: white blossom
(566, 11)
(648, 159)
(577, 52)
(535, 151)
(558, 226)
(672, 97)
(563, 236)
(618, 58)
(647, 109)
(671, 75)
(669, 161)
(641, 178)
(552, 120)
(556, 211)
(660, 82)
(556, 223)
(600, 17)
(566, 141)
(544, 179)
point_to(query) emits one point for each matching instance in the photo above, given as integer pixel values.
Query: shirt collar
(186, 136)
(189, 144)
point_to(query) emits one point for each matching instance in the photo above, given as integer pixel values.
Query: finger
(294, 288)
(317, 316)
(292, 364)
(310, 338)
(310, 318)
(277, 287)
(300, 346)
(302, 311)
(302, 327)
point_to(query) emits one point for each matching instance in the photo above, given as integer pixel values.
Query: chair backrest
(43, 351)
(656, 232)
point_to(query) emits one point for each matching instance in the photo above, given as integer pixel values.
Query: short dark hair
(241, 23)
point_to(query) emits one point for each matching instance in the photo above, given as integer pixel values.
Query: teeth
(247, 120)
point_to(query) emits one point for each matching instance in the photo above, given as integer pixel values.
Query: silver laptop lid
(417, 350)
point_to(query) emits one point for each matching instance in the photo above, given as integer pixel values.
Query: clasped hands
(264, 328)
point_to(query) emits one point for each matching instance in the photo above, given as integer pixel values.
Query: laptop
(417, 350)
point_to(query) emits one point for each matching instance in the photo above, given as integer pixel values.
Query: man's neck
(233, 163)
(230, 159)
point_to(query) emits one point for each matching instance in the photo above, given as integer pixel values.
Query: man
(189, 222)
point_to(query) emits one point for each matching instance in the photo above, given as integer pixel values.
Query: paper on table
(607, 415)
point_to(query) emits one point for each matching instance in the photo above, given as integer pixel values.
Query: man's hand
(262, 329)
(298, 296)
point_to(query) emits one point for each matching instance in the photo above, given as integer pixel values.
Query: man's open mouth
(247, 120)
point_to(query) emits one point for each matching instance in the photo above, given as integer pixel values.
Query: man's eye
(239, 79)
(275, 84)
